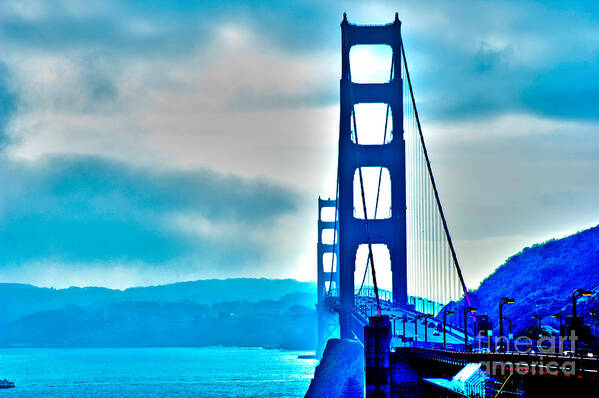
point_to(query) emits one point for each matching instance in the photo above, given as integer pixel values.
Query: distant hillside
(289, 322)
(18, 300)
(233, 312)
(541, 279)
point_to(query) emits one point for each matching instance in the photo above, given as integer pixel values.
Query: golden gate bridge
(425, 271)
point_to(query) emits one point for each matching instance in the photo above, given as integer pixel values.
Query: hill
(283, 323)
(230, 312)
(19, 300)
(541, 279)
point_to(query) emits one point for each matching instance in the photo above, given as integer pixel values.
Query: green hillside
(541, 279)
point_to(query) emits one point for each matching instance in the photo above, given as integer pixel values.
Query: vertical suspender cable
(422, 230)
(378, 191)
(335, 237)
(370, 255)
(427, 240)
(438, 264)
(432, 180)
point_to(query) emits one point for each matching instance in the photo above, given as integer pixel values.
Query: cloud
(107, 26)
(151, 97)
(465, 63)
(82, 209)
(516, 175)
(8, 103)
(476, 59)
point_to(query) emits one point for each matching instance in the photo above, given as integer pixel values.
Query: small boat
(307, 356)
(6, 384)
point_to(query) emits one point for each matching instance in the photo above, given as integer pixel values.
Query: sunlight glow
(370, 63)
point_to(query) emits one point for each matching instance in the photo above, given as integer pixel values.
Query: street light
(507, 318)
(416, 318)
(502, 302)
(426, 316)
(578, 293)
(538, 317)
(510, 335)
(445, 313)
(561, 322)
(431, 305)
(468, 309)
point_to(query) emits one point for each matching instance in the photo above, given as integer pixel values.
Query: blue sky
(155, 141)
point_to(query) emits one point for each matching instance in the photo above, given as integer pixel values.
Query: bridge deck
(533, 363)
(366, 306)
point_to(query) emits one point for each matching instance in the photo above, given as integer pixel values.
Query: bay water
(155, 372)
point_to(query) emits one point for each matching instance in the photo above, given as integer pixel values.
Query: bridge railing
(366, 292)
(529, 348)
(430, 345)
(365, 301)
(459, 347)
(424, 305)
(420, 304)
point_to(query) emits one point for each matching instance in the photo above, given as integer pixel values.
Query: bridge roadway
(497, 363)
(366, 306)
(528, 360)
(432, 335)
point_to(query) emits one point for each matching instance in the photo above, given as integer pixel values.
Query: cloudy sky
(146, 142)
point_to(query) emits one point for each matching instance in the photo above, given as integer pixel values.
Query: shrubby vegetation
(541, 279)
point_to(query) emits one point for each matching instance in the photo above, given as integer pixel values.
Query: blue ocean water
(155, 372)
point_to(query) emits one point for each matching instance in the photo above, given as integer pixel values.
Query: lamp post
(538, 318)
(510, 331)
(416, 318)
(468, 309)
(502, 302)
(431, 306)
(561, 322)
(445, 313)
(578, 293)
(507, 318)
(426, 316)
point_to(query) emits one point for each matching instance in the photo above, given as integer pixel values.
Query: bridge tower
(353, 231)
(327, 276)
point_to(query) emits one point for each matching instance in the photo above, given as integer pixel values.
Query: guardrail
(420, 304)
(366, 292)
(531, 349)
(365, 307)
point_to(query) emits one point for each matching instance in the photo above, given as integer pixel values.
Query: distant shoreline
(306, 350)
